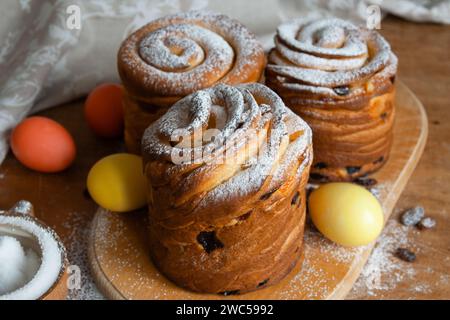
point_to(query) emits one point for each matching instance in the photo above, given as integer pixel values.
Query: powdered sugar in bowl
(32, 258)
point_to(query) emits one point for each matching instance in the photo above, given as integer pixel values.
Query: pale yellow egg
(117, 182)
(346, 213)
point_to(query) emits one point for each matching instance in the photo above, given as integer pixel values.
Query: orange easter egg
(103, 110)
(42, 144)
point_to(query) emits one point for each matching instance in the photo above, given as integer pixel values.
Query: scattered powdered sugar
(323, 266)
(379, 190)
(384, 270)
(323, 260)
(423, 288)
(444, 279)
(51, 254)
(129, 257)
(77, 249)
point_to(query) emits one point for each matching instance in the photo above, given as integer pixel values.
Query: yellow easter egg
(117, 182)
(346, 213)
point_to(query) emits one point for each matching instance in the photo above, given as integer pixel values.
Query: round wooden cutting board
(122, 268)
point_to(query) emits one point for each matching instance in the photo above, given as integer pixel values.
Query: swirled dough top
(318, 55)
(179, 54)
(258, 140)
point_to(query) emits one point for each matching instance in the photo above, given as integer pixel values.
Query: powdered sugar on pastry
(319, 55)
(179, 54)
(227, 210)
(244, 118)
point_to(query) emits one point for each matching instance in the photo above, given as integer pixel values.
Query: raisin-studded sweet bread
(340, 79)
(227, 169)
(177, 55)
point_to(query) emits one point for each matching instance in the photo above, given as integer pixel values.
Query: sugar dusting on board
(77, 246)
(383, 270)
(132, 266)
(315, 280)
(111, 239)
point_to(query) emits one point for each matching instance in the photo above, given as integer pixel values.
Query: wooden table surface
(423, 51)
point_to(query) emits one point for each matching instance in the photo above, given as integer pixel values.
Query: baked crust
(228, 226)
(177, 55)
(340, 79)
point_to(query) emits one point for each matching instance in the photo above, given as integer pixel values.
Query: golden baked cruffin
(177, 55)
(227, 169)
(340, 79)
